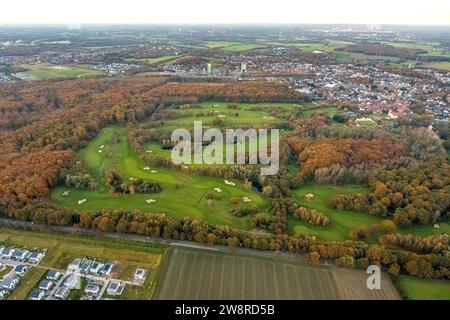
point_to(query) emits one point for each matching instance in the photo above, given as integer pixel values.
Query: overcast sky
(434, 12)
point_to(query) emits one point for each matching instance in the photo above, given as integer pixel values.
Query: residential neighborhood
(85, 278)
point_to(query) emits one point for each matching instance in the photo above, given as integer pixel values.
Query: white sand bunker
(230, 183)
(218, 190)
(222, 116)
(65, 193)
(149, 151)
(82, 201)
(246, 199)
(149, 201)
(153, 171)
(100, 151)
(102, 146)
(146, 168)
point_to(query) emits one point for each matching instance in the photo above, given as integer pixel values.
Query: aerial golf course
(183, 193)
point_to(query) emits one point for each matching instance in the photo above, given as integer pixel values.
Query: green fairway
(248, 114)
(423, 289)
(183, 193)
(341, 221)
(157, 59)
(49, 71)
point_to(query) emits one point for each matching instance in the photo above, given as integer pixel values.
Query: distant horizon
(204, 12)
(224, 24)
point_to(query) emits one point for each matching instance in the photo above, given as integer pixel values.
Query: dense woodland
(43, 124)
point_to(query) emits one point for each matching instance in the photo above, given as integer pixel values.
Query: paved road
(141, 238)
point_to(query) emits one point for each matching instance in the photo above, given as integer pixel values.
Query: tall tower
(209, 68)
(243, 68)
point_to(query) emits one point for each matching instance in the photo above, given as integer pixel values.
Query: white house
(7, 253)
(53, 275)
(107, 268)
(115, 288)
(71, 281)
(139, 274)
(19, 254)
(37, 295)
(35, 257)
(74, 265)
(62, 293)
(45, 285)
(92, 289)
(95, 267)
(9, 283)
(20, 269)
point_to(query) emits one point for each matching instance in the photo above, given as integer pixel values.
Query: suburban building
(9, 283)
(139, 274)
(37, 295)
(74, 265)
(20, 269)
(45, 285)
(35, 257)
(19, 254)
(95, 267)
(92, 289)
(3, 294)
(107, 268)
(71, 281)
(7, 253)
(62, 293)
(53, 275)
(115, 288)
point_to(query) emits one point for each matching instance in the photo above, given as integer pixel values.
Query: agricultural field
(342, 221)
(423, 289)
(183, 193)
(199, 274)
(443, 65)
(50, 71)
(220, 44)
(233, 46)
(62, 249)
(157, 60)
(241, 47)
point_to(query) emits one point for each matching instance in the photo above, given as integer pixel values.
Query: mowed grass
(27, 283)
(190, 274)
(62, 249)
(251, 114)
(423, 289)
(341, 221)
(50, 71)
(183, 193)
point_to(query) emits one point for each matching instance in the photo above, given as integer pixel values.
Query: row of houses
(21, 255)
(91, 266)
